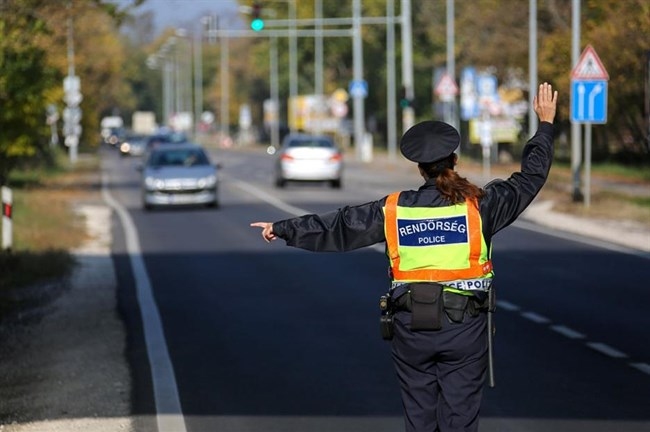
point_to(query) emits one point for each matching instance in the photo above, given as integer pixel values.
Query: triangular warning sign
(589, 66)
(446, 86)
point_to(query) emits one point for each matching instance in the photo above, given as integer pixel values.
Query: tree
(25, 78)
(33, 62)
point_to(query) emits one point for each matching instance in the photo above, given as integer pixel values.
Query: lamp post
(198, 75)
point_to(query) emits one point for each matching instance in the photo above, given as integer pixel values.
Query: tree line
(112, 43)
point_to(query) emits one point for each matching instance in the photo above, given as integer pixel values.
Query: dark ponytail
(453, 187)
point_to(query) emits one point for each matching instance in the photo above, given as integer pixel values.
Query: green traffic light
(257, 24)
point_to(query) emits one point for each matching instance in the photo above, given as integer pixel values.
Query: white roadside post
(7, 234)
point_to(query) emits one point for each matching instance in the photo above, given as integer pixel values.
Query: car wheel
(280, 182)
(336, 184)
(213, 204)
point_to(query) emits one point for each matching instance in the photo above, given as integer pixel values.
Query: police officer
(438, 242)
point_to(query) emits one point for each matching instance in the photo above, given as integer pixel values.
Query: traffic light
(404, 102)
(257, 23)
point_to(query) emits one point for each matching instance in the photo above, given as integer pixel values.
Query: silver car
(304, 157)
(179, 174)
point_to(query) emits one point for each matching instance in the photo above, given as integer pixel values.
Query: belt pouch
(455, 306)
(426, 306)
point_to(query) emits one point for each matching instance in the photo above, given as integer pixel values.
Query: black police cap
(429, 141)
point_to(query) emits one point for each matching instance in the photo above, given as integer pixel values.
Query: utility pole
(451, 115)
(293, 56)
(72, 96)
(357, 60)
(224, 114)
(318, 48)
(275, 123)
(391, 99)
(576, 131)
(408, 115)
(532, 65)
(198, 75)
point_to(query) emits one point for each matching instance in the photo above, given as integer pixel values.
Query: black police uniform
(441, 372)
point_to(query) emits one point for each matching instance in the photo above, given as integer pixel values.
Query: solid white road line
(295, 211)
(169, 414)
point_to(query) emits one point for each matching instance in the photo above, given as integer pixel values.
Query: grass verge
(45, 228)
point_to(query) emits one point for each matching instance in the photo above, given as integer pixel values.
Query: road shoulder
(67, 371)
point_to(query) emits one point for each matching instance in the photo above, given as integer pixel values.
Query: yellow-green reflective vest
(437, 244)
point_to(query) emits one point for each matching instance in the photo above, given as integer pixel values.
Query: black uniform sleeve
(343, 230)
(505, 200)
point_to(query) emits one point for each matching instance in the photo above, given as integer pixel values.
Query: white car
(179, 174)
(304, 157)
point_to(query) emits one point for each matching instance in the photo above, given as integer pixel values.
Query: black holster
(426, 306)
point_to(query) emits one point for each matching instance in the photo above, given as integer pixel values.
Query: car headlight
(154, 183)
(207, 182)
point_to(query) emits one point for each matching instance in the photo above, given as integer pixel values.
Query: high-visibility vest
(436, 244)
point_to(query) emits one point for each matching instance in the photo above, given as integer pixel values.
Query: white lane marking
(568, 332)
(536, 318)
(169, 414)
(565, 235)
(295, 211)
(292, 210)
(606, 349)
(507, 305)
(643, 367)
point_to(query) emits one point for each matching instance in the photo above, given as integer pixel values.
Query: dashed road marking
(606, 349)
(643, 367)
(536, 318)
(573, 334)
(507, 305)
(568, 332)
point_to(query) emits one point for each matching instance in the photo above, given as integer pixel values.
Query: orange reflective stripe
(474, 270)
(391, 226)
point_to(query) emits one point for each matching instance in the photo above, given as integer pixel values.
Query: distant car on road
(304, 157)
(134, 145)
(179, 174)
(155, 140)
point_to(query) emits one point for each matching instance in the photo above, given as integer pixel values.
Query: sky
(185, 13)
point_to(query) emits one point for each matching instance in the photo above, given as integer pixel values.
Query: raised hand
(545, 103)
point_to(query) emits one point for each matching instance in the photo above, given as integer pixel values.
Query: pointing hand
(267, 230)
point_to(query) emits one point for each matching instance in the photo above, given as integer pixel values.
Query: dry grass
(45, 229)
(605, 202)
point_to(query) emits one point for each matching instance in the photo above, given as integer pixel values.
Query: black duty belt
(427, 300)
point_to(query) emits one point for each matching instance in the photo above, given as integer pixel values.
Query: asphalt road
(247, 336)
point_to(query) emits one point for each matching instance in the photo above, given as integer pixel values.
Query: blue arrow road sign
(589, 101)
(358, 88)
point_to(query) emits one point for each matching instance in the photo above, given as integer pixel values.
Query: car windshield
(313, 142)
(181, 157)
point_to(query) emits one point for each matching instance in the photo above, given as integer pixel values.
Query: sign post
(7, 230)
(589, 102)
(447, 90)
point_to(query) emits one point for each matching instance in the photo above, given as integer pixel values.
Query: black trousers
(441, 373)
